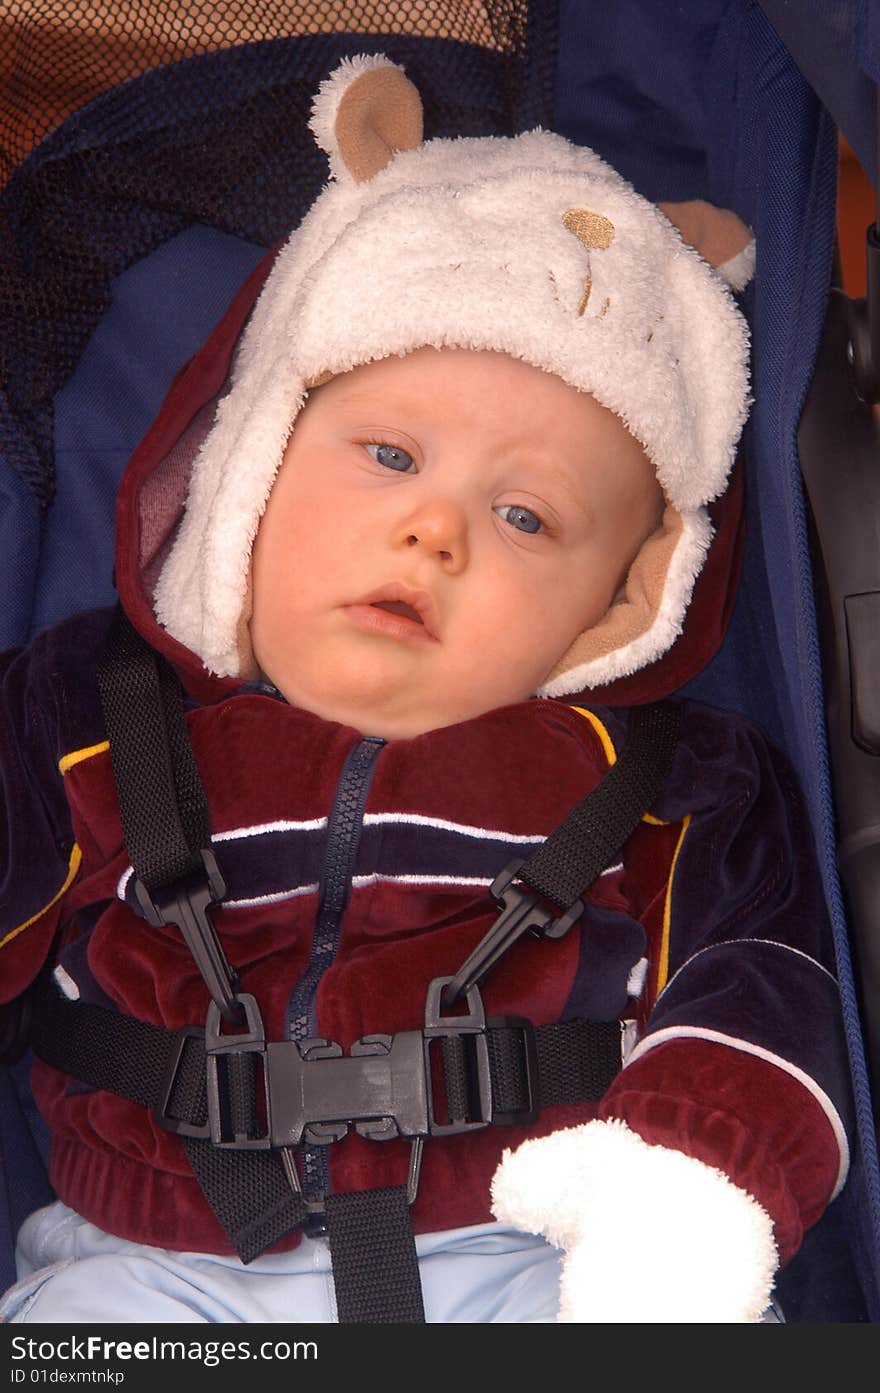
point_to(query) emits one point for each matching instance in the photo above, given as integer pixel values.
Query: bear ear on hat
(365, 111)
(718, 235)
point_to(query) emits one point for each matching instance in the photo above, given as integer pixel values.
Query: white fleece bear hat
(528, 245)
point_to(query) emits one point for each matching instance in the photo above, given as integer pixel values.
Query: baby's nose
(440, 528)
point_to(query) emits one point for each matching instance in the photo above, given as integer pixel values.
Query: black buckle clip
(315, 1091)
(318, 1207)
(301, 1092)
(521, 912)
(162, 1112)
(311, 1092)
(186, 904)
(471, 1029)
(218, 1051)
(223, 1053)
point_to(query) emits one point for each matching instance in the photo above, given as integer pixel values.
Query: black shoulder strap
(581, 847)
(165, 821)
(594, 832)
(166, 829)
(163, 808)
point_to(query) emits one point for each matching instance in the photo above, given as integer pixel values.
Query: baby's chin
(378, 718)
(383, 725)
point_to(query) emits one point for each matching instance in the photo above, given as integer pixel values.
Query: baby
(442, 502)
(462, 460)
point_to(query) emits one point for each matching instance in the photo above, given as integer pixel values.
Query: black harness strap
(575, 1063)
(165, 820)
(164, 1071)
(371, 1239)
(530, 1068)
(255, 1192)
(593, 833)
(550, 883)
(251, 1195)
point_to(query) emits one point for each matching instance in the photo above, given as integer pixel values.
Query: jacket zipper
(344, 827)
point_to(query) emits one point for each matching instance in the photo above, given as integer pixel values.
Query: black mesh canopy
(122, 124)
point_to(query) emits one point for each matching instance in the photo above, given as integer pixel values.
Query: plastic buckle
(316, 1091)
(219, 1049)
(161, 1112)
(186, 904)
(310, 1091)
(380, 1088)
(522, 911)
(472, 1025)
(317, 1209)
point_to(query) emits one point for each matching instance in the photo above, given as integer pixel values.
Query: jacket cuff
(651, 1234)
(764, 1128)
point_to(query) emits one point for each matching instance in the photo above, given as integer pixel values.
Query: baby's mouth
(399, 607)
(396, 611)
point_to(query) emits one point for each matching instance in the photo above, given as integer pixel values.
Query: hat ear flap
(364, 112)
(718, 235)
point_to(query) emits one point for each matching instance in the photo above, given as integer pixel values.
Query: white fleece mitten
(649, 1234)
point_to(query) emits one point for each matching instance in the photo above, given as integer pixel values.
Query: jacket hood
(152, 497)
(529, 246)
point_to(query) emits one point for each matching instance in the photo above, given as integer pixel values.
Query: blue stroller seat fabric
(181, 181)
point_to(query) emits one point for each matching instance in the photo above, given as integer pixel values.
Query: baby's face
(442, 528)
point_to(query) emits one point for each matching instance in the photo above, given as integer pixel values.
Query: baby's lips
(399, 607)
(397, 597)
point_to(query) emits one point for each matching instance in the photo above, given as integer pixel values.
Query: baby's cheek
(273, 638)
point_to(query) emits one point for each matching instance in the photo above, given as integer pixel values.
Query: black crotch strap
(371, 1239)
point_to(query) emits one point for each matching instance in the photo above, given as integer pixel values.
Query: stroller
(130, 220)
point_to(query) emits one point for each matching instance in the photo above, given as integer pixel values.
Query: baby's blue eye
(391, 456)
(522, 518)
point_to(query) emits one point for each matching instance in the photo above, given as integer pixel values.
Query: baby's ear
(365, 111)
(719, 236)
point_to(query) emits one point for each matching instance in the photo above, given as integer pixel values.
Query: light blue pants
(71, 1271)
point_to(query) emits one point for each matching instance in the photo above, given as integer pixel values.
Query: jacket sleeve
(38, 855)
(742, 1062)
(725, 1135)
